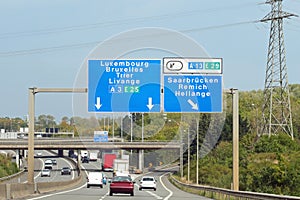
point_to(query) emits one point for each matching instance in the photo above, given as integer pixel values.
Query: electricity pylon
(277, 115)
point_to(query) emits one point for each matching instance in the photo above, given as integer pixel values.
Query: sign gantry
(132, 85)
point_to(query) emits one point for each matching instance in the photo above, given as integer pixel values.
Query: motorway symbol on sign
(193, 65)
(124, 85)
(193, 93)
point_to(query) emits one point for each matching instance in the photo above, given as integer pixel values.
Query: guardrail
(220, 193)
(12, 176)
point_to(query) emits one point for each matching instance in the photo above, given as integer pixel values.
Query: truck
(84, 153)
(121, 166)
(108, 161)
(93, 156)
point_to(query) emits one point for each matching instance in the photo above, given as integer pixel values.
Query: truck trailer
(108, 161)
(121, 166)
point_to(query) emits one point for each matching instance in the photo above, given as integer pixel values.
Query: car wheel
(88, 186)
(154, 189)
(101, 186)
(131, 194)
(140, 188)
(110, 193)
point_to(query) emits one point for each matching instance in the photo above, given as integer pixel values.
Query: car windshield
(148, 179)
(121, 179)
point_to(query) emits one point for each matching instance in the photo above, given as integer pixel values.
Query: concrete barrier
(19, 190)
(23, 190)
(44, 187)
(3, 192)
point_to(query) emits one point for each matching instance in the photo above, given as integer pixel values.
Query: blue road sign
(100, 136)
(193, 93)
(124, 85)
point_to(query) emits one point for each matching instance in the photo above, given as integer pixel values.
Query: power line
(118, 22)
(87, 44)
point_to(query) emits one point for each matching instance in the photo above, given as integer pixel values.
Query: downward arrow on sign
(98, 104)
(150, 105)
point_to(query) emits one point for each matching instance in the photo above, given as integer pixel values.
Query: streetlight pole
(189, 152)
(121, 134)
(181, 146)
(197, 156)
(142, 127)
(131, 124)
(113, 127)
(256, 118)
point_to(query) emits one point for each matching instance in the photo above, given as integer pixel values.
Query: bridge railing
(221, 193)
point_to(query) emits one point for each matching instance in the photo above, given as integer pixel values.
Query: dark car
(85, 159)
(54, 162)
(121, 184)
(65, 171)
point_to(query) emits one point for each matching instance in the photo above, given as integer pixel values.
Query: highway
(55, 172)
(165, 191)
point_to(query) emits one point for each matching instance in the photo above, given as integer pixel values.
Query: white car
(46, 172)
(148, 182)
(39, 154)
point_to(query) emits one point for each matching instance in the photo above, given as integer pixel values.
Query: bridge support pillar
(78, 161)
(60, 152)
(141, 159)
(18, 158)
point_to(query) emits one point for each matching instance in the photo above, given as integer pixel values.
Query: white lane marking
(71, 167)
(155, 195)
(49, 195)
(170, 192)
(103, 197)
(39, 172)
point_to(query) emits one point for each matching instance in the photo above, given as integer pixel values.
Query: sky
(45, 43)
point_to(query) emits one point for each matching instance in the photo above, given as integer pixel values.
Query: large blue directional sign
(124, 85)
(193, 93)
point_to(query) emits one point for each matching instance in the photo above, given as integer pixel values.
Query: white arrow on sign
(194, 105)
(98, 104)
(150, 105)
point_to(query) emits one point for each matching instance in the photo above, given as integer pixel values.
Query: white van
(95, 179)
(48, 164)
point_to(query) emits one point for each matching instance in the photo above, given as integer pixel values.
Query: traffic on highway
(115, 183)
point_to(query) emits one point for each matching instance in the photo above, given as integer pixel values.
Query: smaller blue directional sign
(124, 85)
(193, 93)
(100, 136)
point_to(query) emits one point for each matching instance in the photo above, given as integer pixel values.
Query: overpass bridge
(72, 143)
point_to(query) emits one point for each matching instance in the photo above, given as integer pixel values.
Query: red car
(121, 184)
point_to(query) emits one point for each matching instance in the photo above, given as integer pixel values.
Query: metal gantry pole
(31, 115)
(30, 160)
(235, 138)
